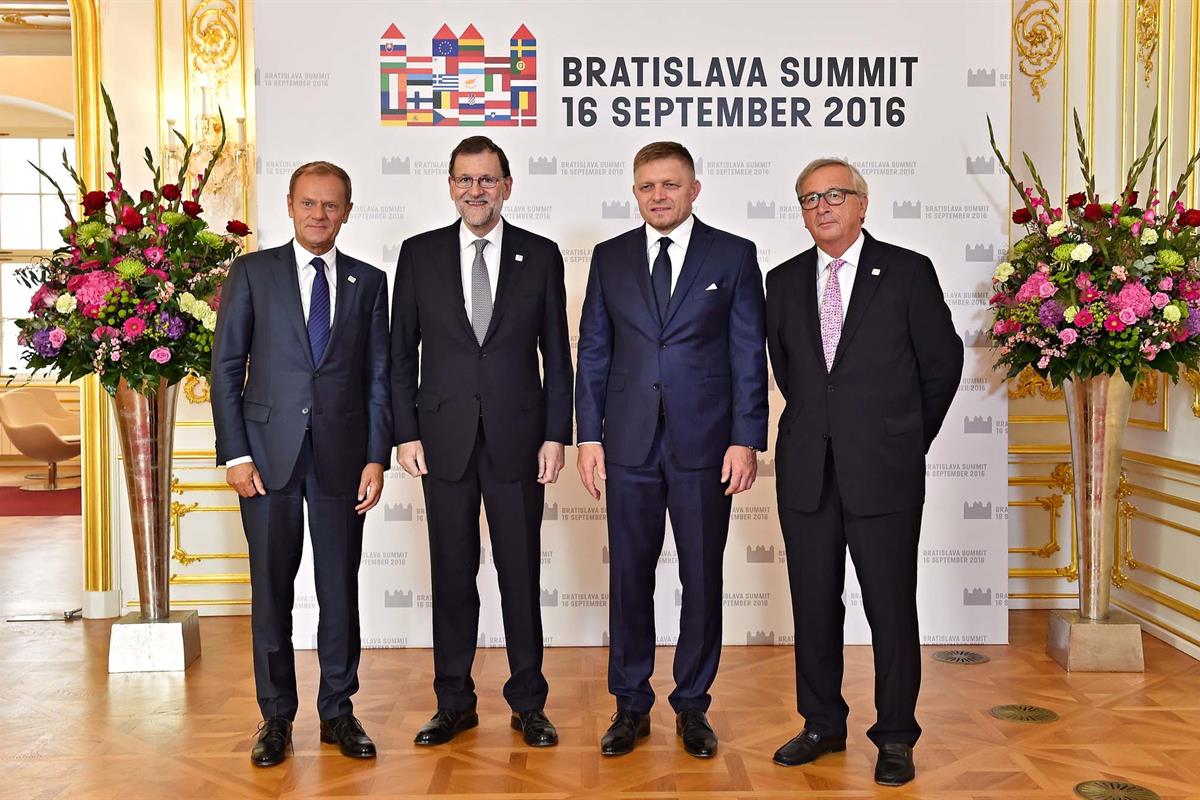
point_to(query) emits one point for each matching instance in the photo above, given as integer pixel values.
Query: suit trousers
(514, 515)
(884, 550)
(639, 499)
(274, 525)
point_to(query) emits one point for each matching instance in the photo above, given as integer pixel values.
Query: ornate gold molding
(1038, 36)
(1060, 478)
(196, 389)
(181, 510)
(1029, 384)
(1192, 378)
(213, 38)
(1146, 389)
(1146, 31)
(48, 19)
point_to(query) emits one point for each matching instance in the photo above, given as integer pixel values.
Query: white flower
(1070, 312)
(65, 303)
(1149, 236)
(1056, 228)
(1004, 271)
(1082, 252)
(1172, 313)
(209, 320)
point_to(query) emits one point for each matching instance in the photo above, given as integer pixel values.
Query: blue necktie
(660, 277)
(318, 312)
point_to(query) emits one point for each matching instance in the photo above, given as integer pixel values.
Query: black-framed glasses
(484, 181)
(835, 197)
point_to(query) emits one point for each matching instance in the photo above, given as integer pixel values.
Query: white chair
(31, 431)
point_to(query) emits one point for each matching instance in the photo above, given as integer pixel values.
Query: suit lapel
(347, 288)
(288, 283)
(867, 277)
(635, 245)
(512, 242)
(698, 247)
(451, 268)
(809, 310)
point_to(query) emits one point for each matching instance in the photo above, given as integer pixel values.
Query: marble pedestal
(1085, 645)
(166, 645)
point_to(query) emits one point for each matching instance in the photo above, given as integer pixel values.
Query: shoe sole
(465, 725)
(841, 749)
(895, 783)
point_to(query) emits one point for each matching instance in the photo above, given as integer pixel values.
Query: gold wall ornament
(1192, 378)
(1146, 389)
(196, 389)
(213, 38)
(1146, 31)
(1038, 36)
(1029, 384)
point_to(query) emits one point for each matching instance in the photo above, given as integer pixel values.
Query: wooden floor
(70, 730)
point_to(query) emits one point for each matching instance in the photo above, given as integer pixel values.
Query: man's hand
(551, 458)
(591, 466)
(739, 469)
(245, 479)
(411, 458)
(370, 487)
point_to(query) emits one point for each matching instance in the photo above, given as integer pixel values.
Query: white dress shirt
(680, 236)
(845, 274)
(307, 274)
(491, 258)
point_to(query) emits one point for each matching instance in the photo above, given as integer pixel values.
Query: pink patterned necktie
(831, 313)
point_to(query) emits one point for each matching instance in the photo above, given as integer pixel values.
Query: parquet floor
(70, 730)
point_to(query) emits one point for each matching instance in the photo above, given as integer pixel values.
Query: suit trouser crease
(639, 500)
(884, 551)
(514, 515)
(274, 526)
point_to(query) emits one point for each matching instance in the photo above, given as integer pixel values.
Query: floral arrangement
(133, 292)
(1104, 287)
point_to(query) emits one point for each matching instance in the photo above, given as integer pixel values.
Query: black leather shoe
(274, 737)
(895, 765)
(627, 727)
(347, 732)
(698, 737)
(538, 730)
(806, 746)
(445, 725)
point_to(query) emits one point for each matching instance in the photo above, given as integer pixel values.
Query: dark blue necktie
(660, 277)
(318, 312)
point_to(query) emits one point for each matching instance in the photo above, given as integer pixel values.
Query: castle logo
(979, 252)
(906, 210)
(458, 85)
(396, 165)
(760, 637)
(549, 599)
(977, 510)
(981, 77)
(398, 512)
(981, 166)
(760, 554)
(760, 210)
(975, 338)
(977, 597)
(549, 512)
(398, 599)
(614, 210)
(977, 424)
(543, 166)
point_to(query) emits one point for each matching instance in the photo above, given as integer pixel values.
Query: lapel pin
(352, 279)
(874, 272)
(519, 257)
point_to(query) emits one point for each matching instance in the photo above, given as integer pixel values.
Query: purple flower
(175, 328)
(1193, 322)
(1050, 314)
(43, 345)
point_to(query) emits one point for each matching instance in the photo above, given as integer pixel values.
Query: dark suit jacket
(460, 380)
(706, 361)
(263, 410)
(894, 376)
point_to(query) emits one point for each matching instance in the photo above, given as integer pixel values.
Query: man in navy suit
(865, 353)
(302, 416)
(671, 407)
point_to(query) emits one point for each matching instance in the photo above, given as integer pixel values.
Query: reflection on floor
(41, 559)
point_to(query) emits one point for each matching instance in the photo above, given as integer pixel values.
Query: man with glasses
(866, 355)
(473, 304)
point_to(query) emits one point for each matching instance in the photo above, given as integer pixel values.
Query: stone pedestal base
(167, 645)
(1084, 645)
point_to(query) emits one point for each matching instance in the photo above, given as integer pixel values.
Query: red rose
(1191, 218)
(147, 196)
(191, 208)
(1131, 198)
(170, 192)
(93, 202)
(1092, 212)
(238, 228)
(130, 218)
(1022, 216)
(1076, 200)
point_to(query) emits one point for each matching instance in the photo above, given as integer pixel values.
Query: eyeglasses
(835, 197)
(484, 181)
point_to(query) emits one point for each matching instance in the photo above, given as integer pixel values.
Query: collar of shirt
(466, 239)
(304, 258)
(680, 235)
(852, 256)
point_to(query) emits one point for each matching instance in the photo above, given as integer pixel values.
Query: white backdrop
(900, 89)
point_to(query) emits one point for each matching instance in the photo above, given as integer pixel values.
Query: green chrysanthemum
(131, 268)
(210, 239)
(90, 232)
(1170, 259)
(1063, 252)
(174, 218)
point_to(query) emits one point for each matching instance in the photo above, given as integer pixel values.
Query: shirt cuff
(599, 443)
(233, 462)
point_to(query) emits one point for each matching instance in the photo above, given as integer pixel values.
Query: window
(31, 216)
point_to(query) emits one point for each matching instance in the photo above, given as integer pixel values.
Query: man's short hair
(320, 168)
(474, 145)
(860, 183)
(659, 150)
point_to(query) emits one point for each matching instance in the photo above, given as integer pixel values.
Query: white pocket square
(712, 287)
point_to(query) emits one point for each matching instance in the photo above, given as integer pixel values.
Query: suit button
(654, 386)
(304, 411)
(316, 374)
(476, 397)
(830, 387)
(825, 436)
(662, 346)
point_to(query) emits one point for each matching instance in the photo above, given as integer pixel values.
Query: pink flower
(1043, 268)
(133, 327)
(57, 337)
(1119, 273)
(1112, 323)
(160, 354)
(1047, 289)
(1000, 327)
(104, 332)
(1166, 284)
(1083, 280)
(1033, 288)
(154, 254)
(1043, 362)
(1135, 228)
(146, 307)
(1149, 351)
(91, 288)
(44, 297)
(158, 273)
(1160, 300)
(1083, 318)
(1090, 294)
(1128, 316)
(1068, 335)
(1133, 295)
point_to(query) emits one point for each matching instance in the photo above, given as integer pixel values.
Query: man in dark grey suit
(302, 416)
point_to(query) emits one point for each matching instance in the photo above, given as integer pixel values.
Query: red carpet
(16, 503)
